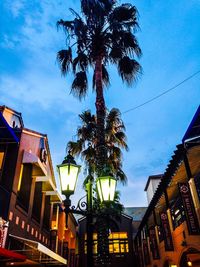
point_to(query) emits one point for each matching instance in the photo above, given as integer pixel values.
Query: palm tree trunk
(102, 228)
(103, 257)
(100, 113)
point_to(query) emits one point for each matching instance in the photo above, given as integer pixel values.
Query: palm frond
(124, 13)
(129, 42)
(86, 117)
(80, 85)
(81, 61)
(129, 69)
(116, 54)
(80, 29)
(64, 58)
(75, 147)
(89, 154)
(121, 176)
(96, 9)
(105, 76)
(120, 139)
(116, 153)
(113, 116)
(68, 26)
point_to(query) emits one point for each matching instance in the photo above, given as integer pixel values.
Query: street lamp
(106, 185)
(68, 173)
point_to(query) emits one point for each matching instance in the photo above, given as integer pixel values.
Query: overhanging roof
(194, 127)
(48, 256)
(33, 159)
(11, 255)
(55, 196)
(7, 135)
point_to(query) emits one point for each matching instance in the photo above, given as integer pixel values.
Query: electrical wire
(163, 93)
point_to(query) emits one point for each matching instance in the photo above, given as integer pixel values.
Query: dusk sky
(31, 83)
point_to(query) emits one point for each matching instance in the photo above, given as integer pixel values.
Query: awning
(48, 184)
(9, 254)
(7, 134)
(55, 196)
(37, 252)
(38, 169)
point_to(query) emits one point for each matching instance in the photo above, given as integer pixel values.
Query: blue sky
(30, 81)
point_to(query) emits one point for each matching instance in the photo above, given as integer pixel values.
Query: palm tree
(106, 214)
(115, 139)
(103, 35)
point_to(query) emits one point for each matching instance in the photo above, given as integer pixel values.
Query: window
(37, 201)
(24, 186)
(177, 211)
(47, 211)
(118, 243)
(197, 183)
(160, 233)
(1, 159)
(54, 220)
(2, 154)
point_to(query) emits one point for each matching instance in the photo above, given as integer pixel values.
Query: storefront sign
(3, 232)
(166, 232)
(191, 217)
(153, 243)
(146, 252)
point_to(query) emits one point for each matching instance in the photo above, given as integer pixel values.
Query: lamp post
(106, 185)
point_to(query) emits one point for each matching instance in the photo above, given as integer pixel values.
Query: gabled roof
(136, 213)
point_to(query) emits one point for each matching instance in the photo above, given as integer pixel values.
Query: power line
(163, 93)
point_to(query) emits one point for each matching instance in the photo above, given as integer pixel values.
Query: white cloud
(34, 88)
(15, 6)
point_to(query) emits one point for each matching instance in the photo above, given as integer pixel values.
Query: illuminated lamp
(106, 186)
(68, 174)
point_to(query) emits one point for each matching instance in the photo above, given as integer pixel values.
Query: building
(136, 213)
(122, 232)
(30, 222)
(64, 236)
(120, 242)
(152, 185)
(169, 233)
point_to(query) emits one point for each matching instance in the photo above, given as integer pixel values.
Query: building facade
(169, 234)
(120, 242)
(29, 199)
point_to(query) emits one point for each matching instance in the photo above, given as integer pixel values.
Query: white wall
(153, 185)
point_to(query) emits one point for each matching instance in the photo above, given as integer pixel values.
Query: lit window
(1, 159)
(118, 243)
(20, 178)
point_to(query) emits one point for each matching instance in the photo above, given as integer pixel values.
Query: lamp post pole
(68, 173)
(88, 213)
(89, 224)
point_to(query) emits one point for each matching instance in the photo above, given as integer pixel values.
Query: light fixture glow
(176, 212)
(106, 186)
(68, 173)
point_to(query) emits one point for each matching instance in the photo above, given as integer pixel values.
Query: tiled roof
(136, 213)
